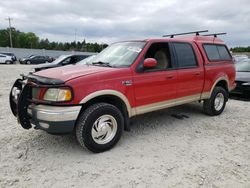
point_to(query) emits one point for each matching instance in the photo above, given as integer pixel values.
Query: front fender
(110, 92)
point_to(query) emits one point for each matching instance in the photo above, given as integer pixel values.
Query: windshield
(243, 66)
(121, 54)
(60, 58)
(28, 56)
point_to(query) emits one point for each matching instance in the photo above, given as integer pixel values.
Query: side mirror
(149, 63)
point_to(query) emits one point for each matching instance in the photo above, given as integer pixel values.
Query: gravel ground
(159, 151)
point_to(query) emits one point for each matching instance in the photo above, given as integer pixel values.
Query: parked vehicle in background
(86, 60)
(240, 58)
(5, 59)
(36, 59)
(61, 61)
(22, 59)
(242, 79)
(96, 100)
(13, 56)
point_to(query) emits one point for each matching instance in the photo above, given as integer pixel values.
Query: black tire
(86, 121)
(28, 62)
(209, 104)
(8, 62)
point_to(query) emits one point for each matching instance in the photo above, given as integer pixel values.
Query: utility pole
(9, 19)
(75, 34)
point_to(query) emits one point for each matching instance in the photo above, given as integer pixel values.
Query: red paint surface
(147, 87)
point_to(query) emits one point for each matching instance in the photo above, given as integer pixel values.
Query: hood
(243, 76)
(66, 73)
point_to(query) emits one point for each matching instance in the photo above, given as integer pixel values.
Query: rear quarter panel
(219, 71)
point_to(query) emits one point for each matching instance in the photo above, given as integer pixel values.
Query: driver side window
(161, 53)
(66, 61)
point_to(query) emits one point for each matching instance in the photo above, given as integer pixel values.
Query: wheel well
(223, 84)
(111, 99)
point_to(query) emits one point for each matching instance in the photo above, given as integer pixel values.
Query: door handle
(169, 76)
(197, 73)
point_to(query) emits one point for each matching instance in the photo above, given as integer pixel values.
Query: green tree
(240, 49)
(31, 40)
(4, 38)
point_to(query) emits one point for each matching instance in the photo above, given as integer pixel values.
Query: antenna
(215, 34)
(197, 33)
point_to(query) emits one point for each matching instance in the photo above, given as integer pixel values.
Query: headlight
(58, 94)
(246, 84)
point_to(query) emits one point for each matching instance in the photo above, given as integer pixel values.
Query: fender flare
(207, 95)
(224, 78)
(109, 92)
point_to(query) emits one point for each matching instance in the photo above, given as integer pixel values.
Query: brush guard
(19, 101)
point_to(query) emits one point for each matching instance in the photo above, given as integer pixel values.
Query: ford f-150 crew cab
(96, 100)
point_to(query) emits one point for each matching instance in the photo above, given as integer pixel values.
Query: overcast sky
(113, 20)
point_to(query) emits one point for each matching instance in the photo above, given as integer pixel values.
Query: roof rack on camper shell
(215, 34)
(197, 33)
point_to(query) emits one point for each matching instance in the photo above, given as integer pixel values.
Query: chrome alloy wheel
(219, 101)
(104, 129)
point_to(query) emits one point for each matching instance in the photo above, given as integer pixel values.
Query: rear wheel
(8, 62)
(217, 102)
(99, 127)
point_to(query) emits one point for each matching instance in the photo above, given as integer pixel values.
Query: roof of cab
(198, 39)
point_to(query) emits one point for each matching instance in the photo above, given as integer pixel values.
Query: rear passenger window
(212, 52)
(79, 58)
(217, 52)
(223, 53)
(185, 55)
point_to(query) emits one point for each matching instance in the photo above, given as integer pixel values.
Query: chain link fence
(24, 52)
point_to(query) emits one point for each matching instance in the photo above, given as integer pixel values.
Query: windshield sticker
(134, 49)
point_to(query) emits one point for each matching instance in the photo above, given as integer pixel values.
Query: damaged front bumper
(54, 119)
(50, 118)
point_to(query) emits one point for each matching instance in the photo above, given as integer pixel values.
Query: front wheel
(99, 127)
(217, 102)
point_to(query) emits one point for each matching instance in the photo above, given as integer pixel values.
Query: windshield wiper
(101, 63)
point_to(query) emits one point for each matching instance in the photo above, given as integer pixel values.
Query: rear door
(36, 59)
(190, 74)
(42, 59)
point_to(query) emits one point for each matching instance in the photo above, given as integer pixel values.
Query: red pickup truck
(96, 100)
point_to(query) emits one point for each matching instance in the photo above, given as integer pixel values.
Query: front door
(155, 88)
